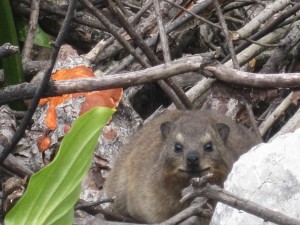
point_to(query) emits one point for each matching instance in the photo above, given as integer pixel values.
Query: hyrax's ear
(165, 128)
(223, 130)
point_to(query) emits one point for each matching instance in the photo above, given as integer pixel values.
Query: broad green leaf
(12, 65)
(66, 219)
(61, 216)
(53, 191)
(41, 38)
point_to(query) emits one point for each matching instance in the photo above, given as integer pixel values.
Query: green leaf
(41, 38)
(53, 191)
(66, 219)
(12, 65)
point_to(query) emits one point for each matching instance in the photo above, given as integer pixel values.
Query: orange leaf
(108, 98)
(114, 94)
(43, 143)
(73, 73)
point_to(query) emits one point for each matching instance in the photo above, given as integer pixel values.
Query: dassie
(151, 170)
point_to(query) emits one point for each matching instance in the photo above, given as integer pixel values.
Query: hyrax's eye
(208, 147)
(178, 147)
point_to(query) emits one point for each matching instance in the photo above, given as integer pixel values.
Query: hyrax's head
(193, 147)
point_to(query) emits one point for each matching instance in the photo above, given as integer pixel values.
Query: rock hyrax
(157, 164)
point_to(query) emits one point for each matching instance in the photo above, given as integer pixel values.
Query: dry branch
(291, 125)
(219, 194)
(264, 15)
(34, 16)
(242, 78)
(268, 28)
(263, 128)
(194, 209)
(254, 50)
(227, 35)
(167, 57)
(7, 130)
(25, 91)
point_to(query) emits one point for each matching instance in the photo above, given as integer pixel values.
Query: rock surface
(269, 175)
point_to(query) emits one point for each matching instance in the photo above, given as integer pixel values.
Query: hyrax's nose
(192, 159)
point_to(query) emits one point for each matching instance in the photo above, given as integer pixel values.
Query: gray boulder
(269, 174)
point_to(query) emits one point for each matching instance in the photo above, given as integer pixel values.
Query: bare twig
(252, 120)
(227, 35)
(167, 56)
(99, 48)
(291, 125)
(34, 16)
(262, 44)
(96, 209)
(101, 17)
(271, 9)
(122, 8)
(249, 53)
(195, 15)
(135, 36)
(91, 204)
(239, 4)
(54, 10)
(167, 87)
(187, 64)
(42, 87)
(141, 12)
(275, 115)
(232, 19)
(279, 55)
(216, 193)
(296, 59)
(107, 214)
(267, 29)
(195, 209)
(257, 80)
(162, 32)
(7, 131)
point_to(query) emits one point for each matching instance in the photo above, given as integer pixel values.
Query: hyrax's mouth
(195, 172)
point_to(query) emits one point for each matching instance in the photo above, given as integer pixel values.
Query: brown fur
(148, 175)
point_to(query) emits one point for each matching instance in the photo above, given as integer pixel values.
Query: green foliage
(12, 65)
(41, 38)
(53, 191)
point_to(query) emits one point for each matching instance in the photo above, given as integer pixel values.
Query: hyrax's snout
(192, 160)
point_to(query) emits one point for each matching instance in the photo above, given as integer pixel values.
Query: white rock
(269, 175)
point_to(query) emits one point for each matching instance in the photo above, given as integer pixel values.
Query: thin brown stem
(194, 14)
(33, 21)
(167, 57)
(219, 194)
(227, 35)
